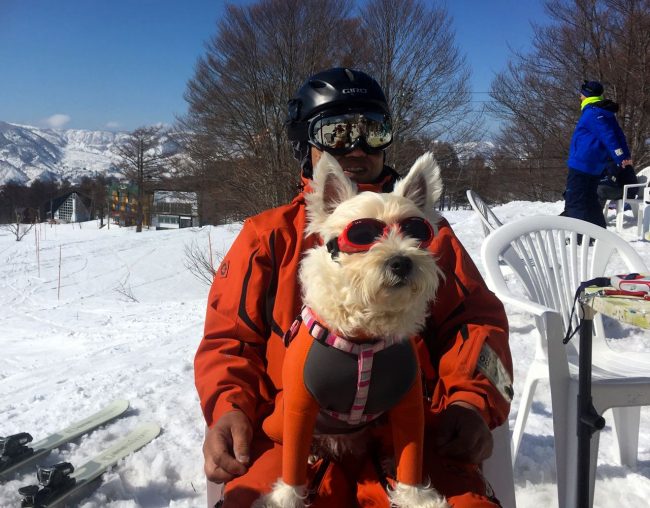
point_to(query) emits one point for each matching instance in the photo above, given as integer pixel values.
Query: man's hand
(226, 448)
(463, 434)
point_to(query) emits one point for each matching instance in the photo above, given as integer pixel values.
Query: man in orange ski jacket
(255, 297)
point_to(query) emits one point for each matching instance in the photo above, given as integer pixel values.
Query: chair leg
(646, 222)
(639, 220)
(497, 469)
(214, 493)
(626, 429)
(620, 214)
(522, 414)
(635, 215)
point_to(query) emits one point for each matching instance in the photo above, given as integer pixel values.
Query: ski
(62, 484)
(15, 452)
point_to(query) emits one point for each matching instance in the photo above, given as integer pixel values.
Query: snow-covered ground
(124, 322)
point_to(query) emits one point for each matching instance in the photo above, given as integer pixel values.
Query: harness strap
(322, 334)
(365, 354)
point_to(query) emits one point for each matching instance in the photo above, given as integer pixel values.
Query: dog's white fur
(357, 295)
(416, 496)
(283, 496)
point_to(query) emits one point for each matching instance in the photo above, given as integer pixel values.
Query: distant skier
(597, 140)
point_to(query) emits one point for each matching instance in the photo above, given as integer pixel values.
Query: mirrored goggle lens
(342, 131)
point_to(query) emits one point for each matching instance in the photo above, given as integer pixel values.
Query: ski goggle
(342, 133)
(360, 235)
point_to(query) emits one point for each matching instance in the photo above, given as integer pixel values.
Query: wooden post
(58, 291)
(38, 257)
(210, 249)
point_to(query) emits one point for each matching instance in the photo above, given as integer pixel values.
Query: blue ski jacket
(597, 139)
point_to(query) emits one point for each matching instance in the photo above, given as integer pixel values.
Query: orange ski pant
(355, 483)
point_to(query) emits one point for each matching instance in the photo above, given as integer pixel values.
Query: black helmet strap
(302, 153)
(297, 131)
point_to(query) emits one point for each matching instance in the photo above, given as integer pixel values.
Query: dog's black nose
(400, 265)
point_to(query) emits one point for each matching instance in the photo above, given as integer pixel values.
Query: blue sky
(121, 64)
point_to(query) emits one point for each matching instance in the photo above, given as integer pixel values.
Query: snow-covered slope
(126, 322)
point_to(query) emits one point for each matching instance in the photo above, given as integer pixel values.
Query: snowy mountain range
(30, 153)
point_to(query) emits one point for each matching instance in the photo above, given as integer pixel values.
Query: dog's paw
(283, 496)
(409, 496)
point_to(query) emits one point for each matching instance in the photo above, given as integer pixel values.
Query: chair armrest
(642, 184)
(526, 305)
(630, 186)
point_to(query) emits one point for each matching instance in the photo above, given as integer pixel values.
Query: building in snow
(123, 205)
(71, 207)
(174, 209)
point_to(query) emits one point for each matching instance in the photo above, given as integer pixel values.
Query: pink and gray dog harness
(354, 383)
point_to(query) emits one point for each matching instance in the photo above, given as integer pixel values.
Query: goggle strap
(298, 131)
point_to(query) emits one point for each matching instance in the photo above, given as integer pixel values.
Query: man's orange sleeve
(229, 366)
(467, 337)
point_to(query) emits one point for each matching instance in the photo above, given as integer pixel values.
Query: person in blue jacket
(597, 141)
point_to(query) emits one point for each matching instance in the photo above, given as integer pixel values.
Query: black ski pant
(581, 198)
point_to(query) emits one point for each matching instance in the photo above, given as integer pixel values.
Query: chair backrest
(551, 264)
(643, 176)
(489, 221)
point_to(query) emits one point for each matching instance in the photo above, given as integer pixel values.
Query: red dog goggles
(340, 134)
(361, 234)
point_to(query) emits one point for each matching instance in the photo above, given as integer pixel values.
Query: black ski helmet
(336, 90)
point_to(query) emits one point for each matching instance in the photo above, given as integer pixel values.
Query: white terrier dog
(367, 290)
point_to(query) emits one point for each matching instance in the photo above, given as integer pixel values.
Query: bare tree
(19, 229)
(538, 94)
(238, 95)
(413, 55)
(142, 159)
(125, 289)
(96, 189)
(262, 53)
(201, 262)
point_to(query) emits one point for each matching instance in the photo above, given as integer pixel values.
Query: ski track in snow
(64, 357)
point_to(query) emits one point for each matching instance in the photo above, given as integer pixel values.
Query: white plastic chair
(214, 493)
(551, 265)
(489, 220)
(643, 178)
(644, 213)
(498, 468)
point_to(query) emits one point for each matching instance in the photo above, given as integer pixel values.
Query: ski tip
(149, 428)
(120, 404)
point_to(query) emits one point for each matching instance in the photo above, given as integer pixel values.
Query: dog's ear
(422, 184)
(330, 186)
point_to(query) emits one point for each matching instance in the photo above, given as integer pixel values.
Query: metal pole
(589, 421)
